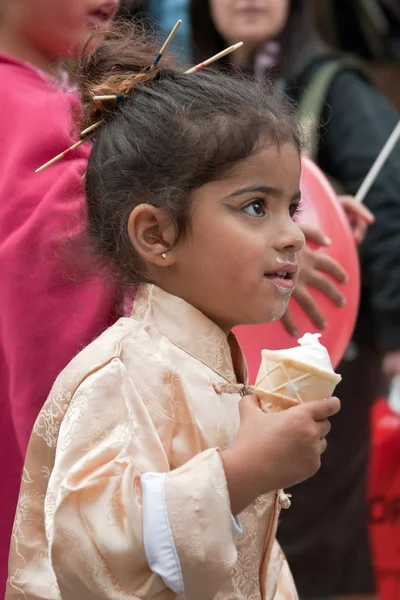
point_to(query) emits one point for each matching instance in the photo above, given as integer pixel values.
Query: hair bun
(119, 64)
(97, 108)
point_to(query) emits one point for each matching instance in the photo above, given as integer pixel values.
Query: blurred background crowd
(369, 29)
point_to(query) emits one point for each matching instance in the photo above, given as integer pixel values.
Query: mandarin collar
(189, 329)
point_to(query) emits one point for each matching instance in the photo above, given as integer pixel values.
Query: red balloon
(322, 210)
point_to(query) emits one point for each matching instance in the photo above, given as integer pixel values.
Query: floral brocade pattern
(246, 570)
(154, 393)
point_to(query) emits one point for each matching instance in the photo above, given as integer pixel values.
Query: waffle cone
(285, 382)
(271, 402)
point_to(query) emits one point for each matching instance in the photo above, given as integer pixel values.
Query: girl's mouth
(284, 277)
(280, 281)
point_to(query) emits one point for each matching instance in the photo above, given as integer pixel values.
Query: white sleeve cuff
(237, 528)
(157, 535)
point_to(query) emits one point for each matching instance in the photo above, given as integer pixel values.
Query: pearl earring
(164, 255)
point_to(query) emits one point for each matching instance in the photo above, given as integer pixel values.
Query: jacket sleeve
(358, 123)
(53, 306)
(112, 500)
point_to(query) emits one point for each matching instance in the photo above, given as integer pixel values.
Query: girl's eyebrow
(262, 189)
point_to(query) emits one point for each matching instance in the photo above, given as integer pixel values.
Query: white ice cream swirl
(310, 352)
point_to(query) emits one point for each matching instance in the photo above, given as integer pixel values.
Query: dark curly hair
(172, 134)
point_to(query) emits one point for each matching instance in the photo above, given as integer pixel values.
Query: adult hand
(358, 215)
(314, 268)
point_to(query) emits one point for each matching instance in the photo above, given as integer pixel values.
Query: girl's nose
(289, 236)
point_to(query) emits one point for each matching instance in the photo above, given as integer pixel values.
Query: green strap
(312, 103)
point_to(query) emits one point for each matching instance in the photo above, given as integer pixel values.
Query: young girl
(46, 317)
(150, 473)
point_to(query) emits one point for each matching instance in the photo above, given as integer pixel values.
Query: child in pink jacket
(47, 311)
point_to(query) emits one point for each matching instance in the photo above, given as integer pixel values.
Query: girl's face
(58, 27)
(237, 263)
(251, 21)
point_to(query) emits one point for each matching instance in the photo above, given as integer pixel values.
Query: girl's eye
(256, 208)
(294, 209)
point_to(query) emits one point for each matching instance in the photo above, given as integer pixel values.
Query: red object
(384, 500)
(322, 210)
(45, 318)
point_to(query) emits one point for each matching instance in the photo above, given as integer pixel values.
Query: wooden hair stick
(88, 130)
(214, 58)
(91, 128)
(165, 45)
(61, 155)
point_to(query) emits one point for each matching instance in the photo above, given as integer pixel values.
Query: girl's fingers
(324, 428)
(248, 405)
(321, 409)
(324, 445)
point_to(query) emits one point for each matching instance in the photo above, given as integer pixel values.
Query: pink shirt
(45, 316)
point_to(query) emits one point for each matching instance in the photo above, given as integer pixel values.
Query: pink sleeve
(44, 317)
(52, 310)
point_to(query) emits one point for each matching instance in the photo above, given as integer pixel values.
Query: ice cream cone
(271, 402)
(289, 377)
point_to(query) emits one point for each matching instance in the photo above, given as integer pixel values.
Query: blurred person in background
(45, 315)
(369, 29)
(325, 533)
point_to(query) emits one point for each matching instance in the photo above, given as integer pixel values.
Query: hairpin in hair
(61, 155)
(165, 45)
(91, 128)
(117, 97)
(151, 68)
(110, 97)
(85, 133)
(84, 139)
(209, 61)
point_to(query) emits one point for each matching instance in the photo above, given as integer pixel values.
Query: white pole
(378, 164)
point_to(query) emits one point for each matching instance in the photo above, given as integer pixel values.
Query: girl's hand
(314, 266)
(358, 215)
(277, 450)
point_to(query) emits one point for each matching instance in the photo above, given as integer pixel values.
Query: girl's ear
(152, 234)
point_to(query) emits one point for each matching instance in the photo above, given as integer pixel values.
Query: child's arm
(107, 521)
(52, 306)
